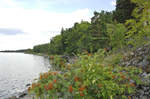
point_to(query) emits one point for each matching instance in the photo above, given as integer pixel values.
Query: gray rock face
(140, 58)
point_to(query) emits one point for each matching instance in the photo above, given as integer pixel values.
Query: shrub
(87, 78)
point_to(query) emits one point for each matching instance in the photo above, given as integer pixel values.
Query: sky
(25, 23)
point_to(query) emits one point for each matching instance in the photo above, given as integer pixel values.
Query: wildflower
(45, 75)
(123, 77)
(29, 89)
(89, 54)
(50, 86)
(33, 85)
(49, 73)
(129, 97)
(55, 73)
(113, 76)
(46, 88)
(51, 57)
(76, 79)
(70, 89)
(132, 85)
(38, 84)
(105, 49)
(81, 94)
(81, 88)
(55, 81)
(41, 76)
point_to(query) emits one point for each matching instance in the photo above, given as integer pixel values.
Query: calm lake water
(17, 70)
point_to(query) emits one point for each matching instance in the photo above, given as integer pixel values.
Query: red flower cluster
(82, 88)
(132, 85)
(81, 94)
(113, 76)
(76, 79)
(123, 76)
(70, 89)
(49, 87)
(54, 80)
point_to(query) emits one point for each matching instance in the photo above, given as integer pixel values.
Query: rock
(144, 97)
(13, 97)
(140, 57)
(22, 95)
(147, 69)
(27, 85)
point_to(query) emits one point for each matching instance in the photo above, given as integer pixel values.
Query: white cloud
(113, 3)
(35, 23)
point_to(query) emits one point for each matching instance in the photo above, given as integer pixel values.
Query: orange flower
(46, 88)
(51, 57)
(45, 75)
(41, 76)
(29, 89)
(81, 94)
(132, 85)
(129, 97)
(38, 84)
(113, 76)
(55, 73)
(55, 81)
(123, 77)
(105, 49)
(33, 85)
(100, 85)
(49, 73)
(70, 89)
(89, 54)
(50, 86)
(81, 88)
(76, 79)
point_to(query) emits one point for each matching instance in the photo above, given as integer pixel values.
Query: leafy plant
(87, 78)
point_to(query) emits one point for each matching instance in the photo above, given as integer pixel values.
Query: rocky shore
(140, 58)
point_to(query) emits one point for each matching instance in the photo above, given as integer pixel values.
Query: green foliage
(43, 48)
(123, 10)
(98, 30)
(116, 34)
(87, 78)
(57, 62)
(104, 31)
(56, 46)
(76, 39)
(138, 28)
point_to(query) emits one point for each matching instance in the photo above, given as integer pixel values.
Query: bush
(87, 78)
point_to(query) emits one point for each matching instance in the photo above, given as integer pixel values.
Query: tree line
(127, 25)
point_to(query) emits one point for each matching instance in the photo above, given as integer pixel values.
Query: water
(17, 70)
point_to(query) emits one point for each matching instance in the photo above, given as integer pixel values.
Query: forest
(127, 25)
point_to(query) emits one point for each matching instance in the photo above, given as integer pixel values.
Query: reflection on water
(17, 70)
